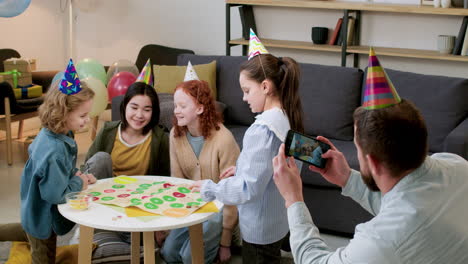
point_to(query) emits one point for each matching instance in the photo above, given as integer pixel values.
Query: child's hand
(229, 172)
(91, 178)
(224, 254)
(84, 178)
(196, 186)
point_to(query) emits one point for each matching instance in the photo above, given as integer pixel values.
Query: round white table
(103, 217)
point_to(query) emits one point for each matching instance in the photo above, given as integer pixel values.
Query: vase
(445, 3)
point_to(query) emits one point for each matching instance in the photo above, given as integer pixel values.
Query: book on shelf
(464, 51)
(247, 20)
(461, 36)
(336, 31)
(351, 26)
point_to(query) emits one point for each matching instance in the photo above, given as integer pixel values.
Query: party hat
(380, 92)
(255, 46)
(70, 83)
(146, 75)
(190, 74)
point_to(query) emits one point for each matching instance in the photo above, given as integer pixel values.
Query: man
(419, 202)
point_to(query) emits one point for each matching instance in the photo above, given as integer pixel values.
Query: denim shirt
(262, 213)
(421, 220)
(49, 174)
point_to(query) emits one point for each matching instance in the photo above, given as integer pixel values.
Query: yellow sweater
(219, 152)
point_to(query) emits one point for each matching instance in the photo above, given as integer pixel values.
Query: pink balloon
(119, 84)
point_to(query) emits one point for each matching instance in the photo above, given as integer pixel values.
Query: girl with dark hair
(201, 148)
(270, 86)
(136, 145)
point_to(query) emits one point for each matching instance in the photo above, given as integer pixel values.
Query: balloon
(12, 8)
(58, 76)
(100, 96)
(91, 68)
(119, 84)
(121, 66)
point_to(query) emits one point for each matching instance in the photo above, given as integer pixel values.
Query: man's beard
(369, 181)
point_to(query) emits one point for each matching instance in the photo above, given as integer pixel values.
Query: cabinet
(347, 8)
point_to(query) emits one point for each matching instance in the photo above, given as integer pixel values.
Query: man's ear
(375, 166)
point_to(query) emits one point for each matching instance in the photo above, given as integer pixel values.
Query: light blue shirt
(262, 213)
(421, 220)
(196, 143)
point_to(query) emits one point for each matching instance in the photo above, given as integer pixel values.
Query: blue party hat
(70, 83)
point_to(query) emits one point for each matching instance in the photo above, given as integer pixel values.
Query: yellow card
(124, 180)
(136, 212)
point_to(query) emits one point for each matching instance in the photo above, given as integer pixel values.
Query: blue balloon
(12, 8)
(57, 77)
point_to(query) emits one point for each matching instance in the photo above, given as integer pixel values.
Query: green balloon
(91, 68)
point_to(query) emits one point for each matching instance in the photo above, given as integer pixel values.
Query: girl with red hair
(200, 148)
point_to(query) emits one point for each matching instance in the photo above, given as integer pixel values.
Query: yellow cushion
(20, 254)
(166, 78)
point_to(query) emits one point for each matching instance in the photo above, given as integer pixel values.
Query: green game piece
(95, 193)
(118, 186)
(161, 182)
(193, 204)
(169, 198)
(107, 198)
(156, 201)
(183, 190)
(151, 206)
(135, 200)
(177, 205)
(145, 185)
(200, 199)
(136, 192)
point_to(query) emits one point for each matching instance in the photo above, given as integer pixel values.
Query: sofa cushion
(227, 83)
(442, 101)
(329, 96)
(166, 78)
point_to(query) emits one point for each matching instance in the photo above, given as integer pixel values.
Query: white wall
(117, 29)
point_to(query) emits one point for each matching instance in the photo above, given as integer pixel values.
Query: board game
(158, 197)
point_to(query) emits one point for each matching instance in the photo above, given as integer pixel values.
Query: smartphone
(306, 148)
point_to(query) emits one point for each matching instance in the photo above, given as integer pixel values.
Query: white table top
(104, 217)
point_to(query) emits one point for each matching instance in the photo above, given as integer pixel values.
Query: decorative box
(15, 78)
(29, 91)
(22, 65)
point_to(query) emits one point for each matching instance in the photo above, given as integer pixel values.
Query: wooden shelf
(289, 44)
(408, 53)
(337, 5)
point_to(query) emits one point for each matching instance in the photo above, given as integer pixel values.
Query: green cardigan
(159, 156)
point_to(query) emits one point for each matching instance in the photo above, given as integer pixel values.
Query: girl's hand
(84, 178)
(196, 186)
(91, 178)
(229, 172)
(224, 254)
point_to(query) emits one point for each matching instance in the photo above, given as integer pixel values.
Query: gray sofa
(329, 96)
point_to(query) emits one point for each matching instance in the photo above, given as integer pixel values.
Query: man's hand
(287, 178)
(224, 254)
(337, 170)
(229, 172)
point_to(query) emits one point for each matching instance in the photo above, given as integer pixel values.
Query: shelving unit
(347, 7)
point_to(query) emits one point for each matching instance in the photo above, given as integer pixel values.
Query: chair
(160, 55)
(12, 109)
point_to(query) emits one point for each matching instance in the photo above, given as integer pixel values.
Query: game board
(158, 197)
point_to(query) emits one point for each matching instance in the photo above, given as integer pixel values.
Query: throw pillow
(166, 78)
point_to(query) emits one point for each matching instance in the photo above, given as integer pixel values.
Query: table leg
(85, 248)
(135, 248)
(196, 243)
(148, 247)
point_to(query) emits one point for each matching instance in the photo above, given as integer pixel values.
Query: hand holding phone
(306, 148)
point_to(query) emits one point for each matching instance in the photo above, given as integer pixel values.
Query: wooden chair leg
(20, 129)
(8, 131)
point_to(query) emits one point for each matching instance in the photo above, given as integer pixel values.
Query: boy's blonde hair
(57, 105)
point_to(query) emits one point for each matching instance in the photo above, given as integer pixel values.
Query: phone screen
(306, 148)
